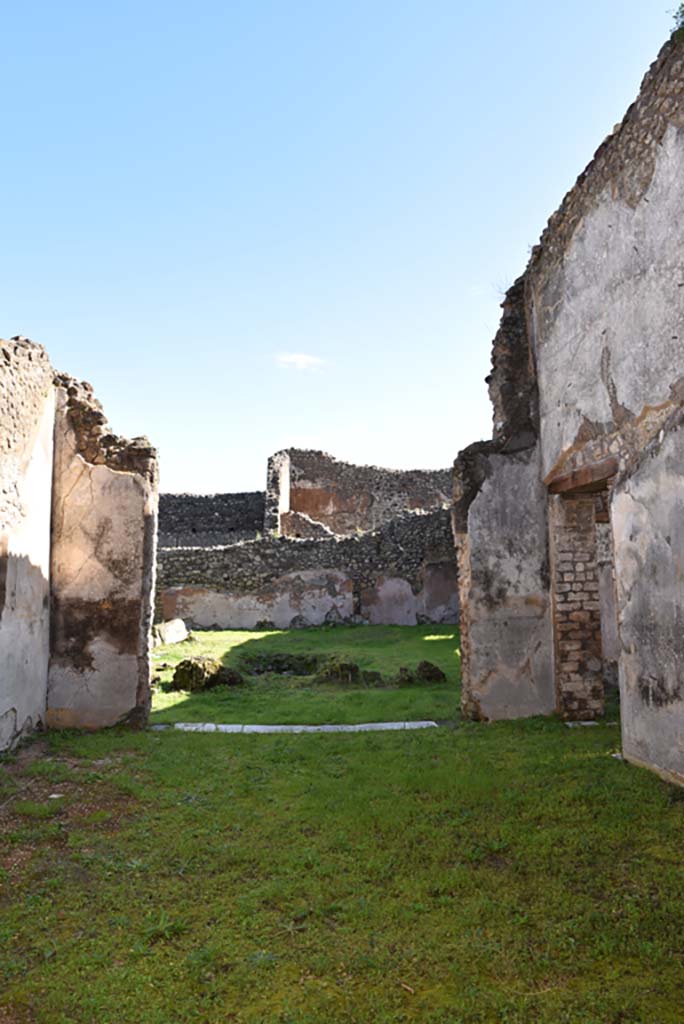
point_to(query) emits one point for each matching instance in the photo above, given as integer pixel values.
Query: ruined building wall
(345, 499)
(103, 559)
(603, 304)
(207, 520)
(501, 531)
(606, 298)
(404, 573)
(77, 537)
(26, 443)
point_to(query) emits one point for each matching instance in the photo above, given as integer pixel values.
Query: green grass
(507, 873)
(513, 873)
(288, 700)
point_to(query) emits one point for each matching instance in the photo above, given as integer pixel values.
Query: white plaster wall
(648, 530)
(24, 619)
(613, 315)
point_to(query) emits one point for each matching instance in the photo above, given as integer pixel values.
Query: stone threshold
(362, 727)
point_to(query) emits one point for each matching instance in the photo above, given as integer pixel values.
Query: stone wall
(404, 573)
(344, 498)
(589, 364)
(208, 520)
(77, 538)
(501, 532)
(26, 435)
(576, 606)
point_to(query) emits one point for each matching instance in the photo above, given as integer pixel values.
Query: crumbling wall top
(95, 441)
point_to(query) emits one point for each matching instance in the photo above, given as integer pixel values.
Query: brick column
(576, 606)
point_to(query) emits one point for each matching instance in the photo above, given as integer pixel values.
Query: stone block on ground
(172, 632)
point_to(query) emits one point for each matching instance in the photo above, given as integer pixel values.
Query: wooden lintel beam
(585, 480)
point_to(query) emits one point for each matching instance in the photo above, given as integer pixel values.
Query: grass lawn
(514, 873)
(272, 699)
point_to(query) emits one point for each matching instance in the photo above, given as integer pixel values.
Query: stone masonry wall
(403, 573)
(345, 498)
(208, 520)
(501, 532)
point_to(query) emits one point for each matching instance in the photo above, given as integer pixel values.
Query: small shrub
(678, 15)
(427, 672)
(281, 664)
(337, 670)
(203, 673)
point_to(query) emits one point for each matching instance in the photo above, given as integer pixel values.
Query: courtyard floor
(516, 872)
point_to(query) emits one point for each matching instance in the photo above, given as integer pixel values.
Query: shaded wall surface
(648, 527)
(402, 574)
(77, 544)
(26, 433)
(591, 342)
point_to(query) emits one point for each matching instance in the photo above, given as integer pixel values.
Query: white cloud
(298, 361)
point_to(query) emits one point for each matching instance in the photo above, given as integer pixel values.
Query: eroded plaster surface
(102, 567)
(503, 566)
(306, 598)
(610, 318)
(648, 529)
(25, 568)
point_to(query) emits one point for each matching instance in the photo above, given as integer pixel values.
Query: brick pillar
(576, 606)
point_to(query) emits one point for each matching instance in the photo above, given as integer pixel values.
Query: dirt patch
(44, 798)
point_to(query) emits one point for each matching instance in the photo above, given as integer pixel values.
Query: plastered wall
(104, 529)
(648, 529)
(588, 367)
(77, 554)
(26, 436)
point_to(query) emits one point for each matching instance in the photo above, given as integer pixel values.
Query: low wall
(402, 574)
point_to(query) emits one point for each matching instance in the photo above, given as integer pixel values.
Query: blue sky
(260, 224)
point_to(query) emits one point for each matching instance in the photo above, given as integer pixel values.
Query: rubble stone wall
(344, 498)
(207, 520)
(402, 574)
